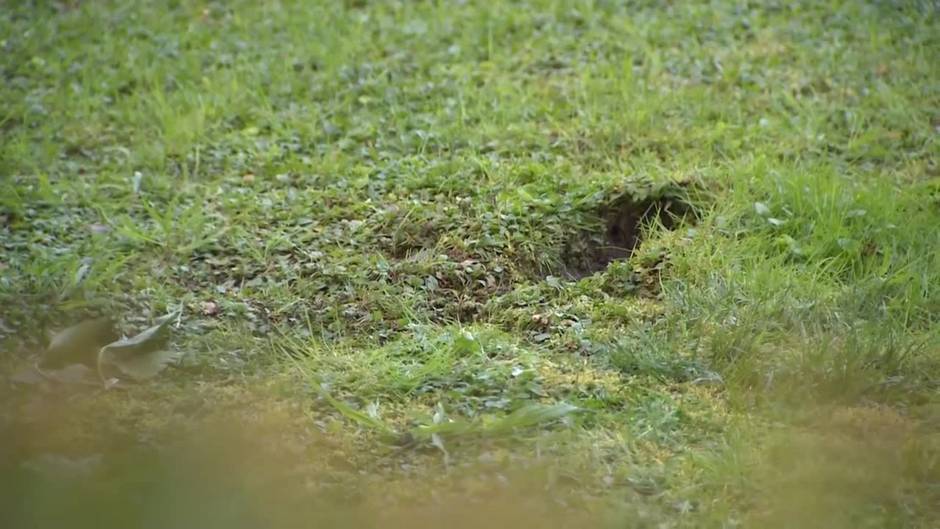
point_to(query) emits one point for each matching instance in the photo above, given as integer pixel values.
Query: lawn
(484, 264)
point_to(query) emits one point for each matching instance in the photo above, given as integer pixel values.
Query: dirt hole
(624, 218)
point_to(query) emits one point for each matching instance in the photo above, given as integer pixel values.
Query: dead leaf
(210, 308)
(79, 344)
(142, 356)
(27, 376)
(73, 374)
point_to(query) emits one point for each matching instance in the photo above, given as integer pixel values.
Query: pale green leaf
(78, 344)
(142, 356)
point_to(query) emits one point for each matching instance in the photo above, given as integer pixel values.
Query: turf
(405, 236)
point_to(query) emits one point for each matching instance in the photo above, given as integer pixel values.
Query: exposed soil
(624, 219)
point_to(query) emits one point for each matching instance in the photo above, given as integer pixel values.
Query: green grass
(401, 208)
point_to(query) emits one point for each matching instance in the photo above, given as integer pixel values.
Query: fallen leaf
(210, 308)
(27, 376)
(142, 356)
(73, 374)
(79, 344)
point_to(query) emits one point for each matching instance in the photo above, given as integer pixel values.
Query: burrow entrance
(623, 218)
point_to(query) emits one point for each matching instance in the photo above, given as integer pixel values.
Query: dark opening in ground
(623, 222)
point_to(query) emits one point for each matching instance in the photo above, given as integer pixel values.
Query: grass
(409, 209)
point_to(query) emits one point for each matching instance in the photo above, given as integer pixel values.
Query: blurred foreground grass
(422, 210)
